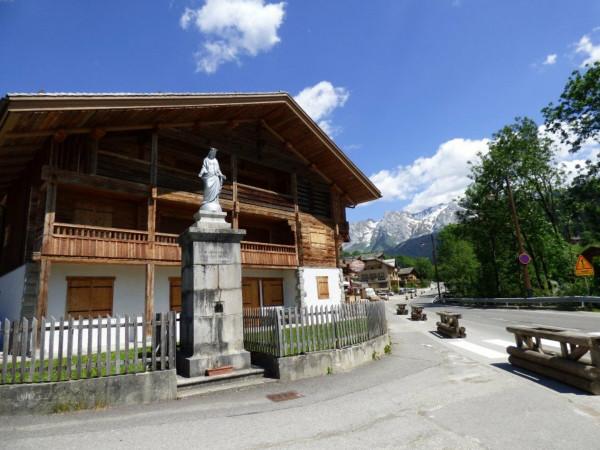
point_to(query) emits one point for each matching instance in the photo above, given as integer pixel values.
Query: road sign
(524, 258)
(583, 268)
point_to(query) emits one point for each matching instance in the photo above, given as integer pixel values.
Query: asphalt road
(430, 393)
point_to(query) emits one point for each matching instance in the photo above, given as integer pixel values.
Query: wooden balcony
(82, 241)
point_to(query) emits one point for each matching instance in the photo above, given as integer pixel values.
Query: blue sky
(410, 89)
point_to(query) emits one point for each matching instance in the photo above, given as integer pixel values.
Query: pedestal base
(195, 366)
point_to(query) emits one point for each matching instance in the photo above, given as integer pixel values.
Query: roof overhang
(28, 120)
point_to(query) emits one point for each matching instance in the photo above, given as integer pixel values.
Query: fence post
(34, 325)
(42, 346)
(23, 350)
(281, 343)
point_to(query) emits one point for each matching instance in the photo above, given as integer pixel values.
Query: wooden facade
(106, 179)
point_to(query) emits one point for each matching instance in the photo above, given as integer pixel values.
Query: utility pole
(515, 220)
(437, 278)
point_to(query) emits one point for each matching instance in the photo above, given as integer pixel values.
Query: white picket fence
(293, 331)
(57, 350)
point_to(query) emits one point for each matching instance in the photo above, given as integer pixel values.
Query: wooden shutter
(272, 291)
(175, 294)
(250, 293)
(90, 296)
(323, 288)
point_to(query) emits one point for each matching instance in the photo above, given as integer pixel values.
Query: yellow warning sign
(583, 268)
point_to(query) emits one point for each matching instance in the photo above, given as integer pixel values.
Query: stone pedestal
(211, 328)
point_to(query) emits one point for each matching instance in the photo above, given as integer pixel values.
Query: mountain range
(401, 231)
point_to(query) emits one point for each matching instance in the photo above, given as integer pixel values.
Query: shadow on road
(546, 382)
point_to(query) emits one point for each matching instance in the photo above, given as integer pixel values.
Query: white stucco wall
(289, 281)
(161, 286)
(309, 280)
(129, 287)
(11, 293)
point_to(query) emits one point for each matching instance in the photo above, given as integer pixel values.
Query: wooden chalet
(96, 188)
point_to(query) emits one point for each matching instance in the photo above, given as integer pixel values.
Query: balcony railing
(69, 240)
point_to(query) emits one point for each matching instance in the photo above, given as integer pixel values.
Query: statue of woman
(213, 182)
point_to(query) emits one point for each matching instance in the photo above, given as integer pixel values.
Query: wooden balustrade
(71, 240)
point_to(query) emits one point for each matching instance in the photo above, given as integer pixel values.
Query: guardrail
(529, 301)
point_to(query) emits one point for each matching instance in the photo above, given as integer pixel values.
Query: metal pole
(515, 219)
(437, 278)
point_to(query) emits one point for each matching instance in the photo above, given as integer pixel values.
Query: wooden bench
(449, 326)
(577, 363)
(416, 313)
(401, 309)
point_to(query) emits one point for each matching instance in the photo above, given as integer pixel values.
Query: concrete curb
(92, 393)
(315, 364)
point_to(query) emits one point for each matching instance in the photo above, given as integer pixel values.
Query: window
(323, 288)
(90, 296)
(175, 294)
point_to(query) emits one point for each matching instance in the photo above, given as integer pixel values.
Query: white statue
(213, 182)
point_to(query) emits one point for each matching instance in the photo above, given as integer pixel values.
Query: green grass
(320, 337)
(61, 375)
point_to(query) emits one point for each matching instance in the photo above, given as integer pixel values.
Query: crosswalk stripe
(478, 349)
(503, 343)
(499, 342)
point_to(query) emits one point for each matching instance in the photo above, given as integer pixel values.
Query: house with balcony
(96, 188)
(378, 272)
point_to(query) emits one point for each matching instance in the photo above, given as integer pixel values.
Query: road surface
(430, 393)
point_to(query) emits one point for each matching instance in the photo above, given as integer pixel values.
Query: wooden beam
(49, 211)
(310, 164)
(95, 181)
(149, 296)
(42, 300)
(154, 159)
(298, 225)
(145, 126)
(236, 207)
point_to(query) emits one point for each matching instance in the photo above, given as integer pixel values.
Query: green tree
(457, 262)
(522, 159)
(576, 117)
(424, 268)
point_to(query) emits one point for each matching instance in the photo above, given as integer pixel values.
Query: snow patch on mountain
(399, 226)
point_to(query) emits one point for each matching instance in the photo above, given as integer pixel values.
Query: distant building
(379, 273)
(407, 275)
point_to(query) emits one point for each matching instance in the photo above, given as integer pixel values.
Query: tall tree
(576, 117)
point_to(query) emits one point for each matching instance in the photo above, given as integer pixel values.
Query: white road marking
(478, 349)
(499, 342)
(503, 343)
(547, 343)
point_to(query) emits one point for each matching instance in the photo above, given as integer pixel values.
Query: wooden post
(149, 298)
(154, 159)
(236, 206)
(93, 156)
(515, 219)
(298, 231)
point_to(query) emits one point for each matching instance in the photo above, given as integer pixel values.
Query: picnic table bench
(577, 363)
(449, 325)
(416, 313)
(401, 309)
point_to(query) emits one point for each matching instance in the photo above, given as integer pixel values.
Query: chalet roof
(406, 270)
(390, 262)
(27, 121)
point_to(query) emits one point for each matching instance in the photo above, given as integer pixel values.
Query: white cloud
(436, 179)
(550, 59)
(568, 161)
(586, 47)
(233, 28)
(319, 102)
